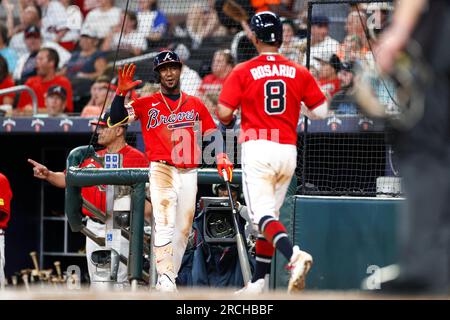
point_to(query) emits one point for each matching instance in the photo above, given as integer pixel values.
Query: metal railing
(17, 89)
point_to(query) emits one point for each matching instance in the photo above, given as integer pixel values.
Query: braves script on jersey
(269, 89)
(171, 131)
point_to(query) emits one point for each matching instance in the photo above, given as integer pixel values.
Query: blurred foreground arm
(395, 38)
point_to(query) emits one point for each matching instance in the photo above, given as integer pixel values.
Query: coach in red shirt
(46, 65)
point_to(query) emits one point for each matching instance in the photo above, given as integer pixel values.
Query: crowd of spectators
(72, 44)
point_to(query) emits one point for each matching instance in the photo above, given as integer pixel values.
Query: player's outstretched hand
(126, 75)
(39, 170)
(224, 164)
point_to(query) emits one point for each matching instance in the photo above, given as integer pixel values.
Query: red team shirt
(40, 87)
(172, 136)
(8, 82)
(96, 195)
(5, 201)
(269, 89)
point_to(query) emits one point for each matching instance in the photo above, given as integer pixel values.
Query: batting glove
(224, 166)
(126, 82)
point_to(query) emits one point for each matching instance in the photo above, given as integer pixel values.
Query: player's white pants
(91, 246)
(267, 170)
(173, 193)
(2, 262)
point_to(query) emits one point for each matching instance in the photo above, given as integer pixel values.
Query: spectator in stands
(46, 65)
(87, 5)
(351, 48)
(53, 19)
(292, 48)
(322, 45)
(26, 66)
(202, 22)
(283, 8)
(151, 22)
(88, 62)
(190, 80)
(70, 33)
(328, 79)
(355, 24)
(6, 81)
(343, 103)
(103, 19)
(211, 85)
(131, 39)
(99, 93)
(5, 51)
(31, 15)
(55, 101)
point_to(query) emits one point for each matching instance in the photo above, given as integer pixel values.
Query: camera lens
(219, 225)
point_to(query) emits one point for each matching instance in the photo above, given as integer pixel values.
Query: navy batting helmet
(267, 27)
(165, 57)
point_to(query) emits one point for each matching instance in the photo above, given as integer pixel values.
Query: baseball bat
(58, 269)
(33, 255)
(25, 280)
(240, 242)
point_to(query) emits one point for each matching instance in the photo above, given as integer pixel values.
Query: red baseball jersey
(96, 195)
(5, 201)
(331, 87)
(172, 129)
(269, 89)
(40, 87)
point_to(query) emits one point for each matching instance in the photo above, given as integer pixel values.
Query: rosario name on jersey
(172, 130)
(269, 89)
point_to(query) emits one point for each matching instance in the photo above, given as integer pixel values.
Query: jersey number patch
(274, 96)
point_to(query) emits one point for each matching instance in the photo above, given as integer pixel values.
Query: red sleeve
(8, 83)
(231, 94)
(5, 200)
(25, 98)
(136, 106)
(208, 123)
(312, 95)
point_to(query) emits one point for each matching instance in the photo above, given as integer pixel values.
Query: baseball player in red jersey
(270, 89)
(113, 139)
(172, 122)
(5, 212)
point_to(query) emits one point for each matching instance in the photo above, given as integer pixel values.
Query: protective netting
(348, 153)
(344, 154)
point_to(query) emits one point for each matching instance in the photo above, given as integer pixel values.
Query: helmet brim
(167, 62)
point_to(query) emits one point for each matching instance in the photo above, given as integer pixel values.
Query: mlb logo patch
(112, 161)
(109, 237)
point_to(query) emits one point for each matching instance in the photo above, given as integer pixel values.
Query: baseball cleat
(299, 266)
(252, 287)
(165, 284)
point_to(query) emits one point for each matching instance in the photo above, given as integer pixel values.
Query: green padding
(82, 177)
(345, 236)
(73, 201)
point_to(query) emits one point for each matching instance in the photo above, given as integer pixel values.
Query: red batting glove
(223, 163)
(126, 82)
